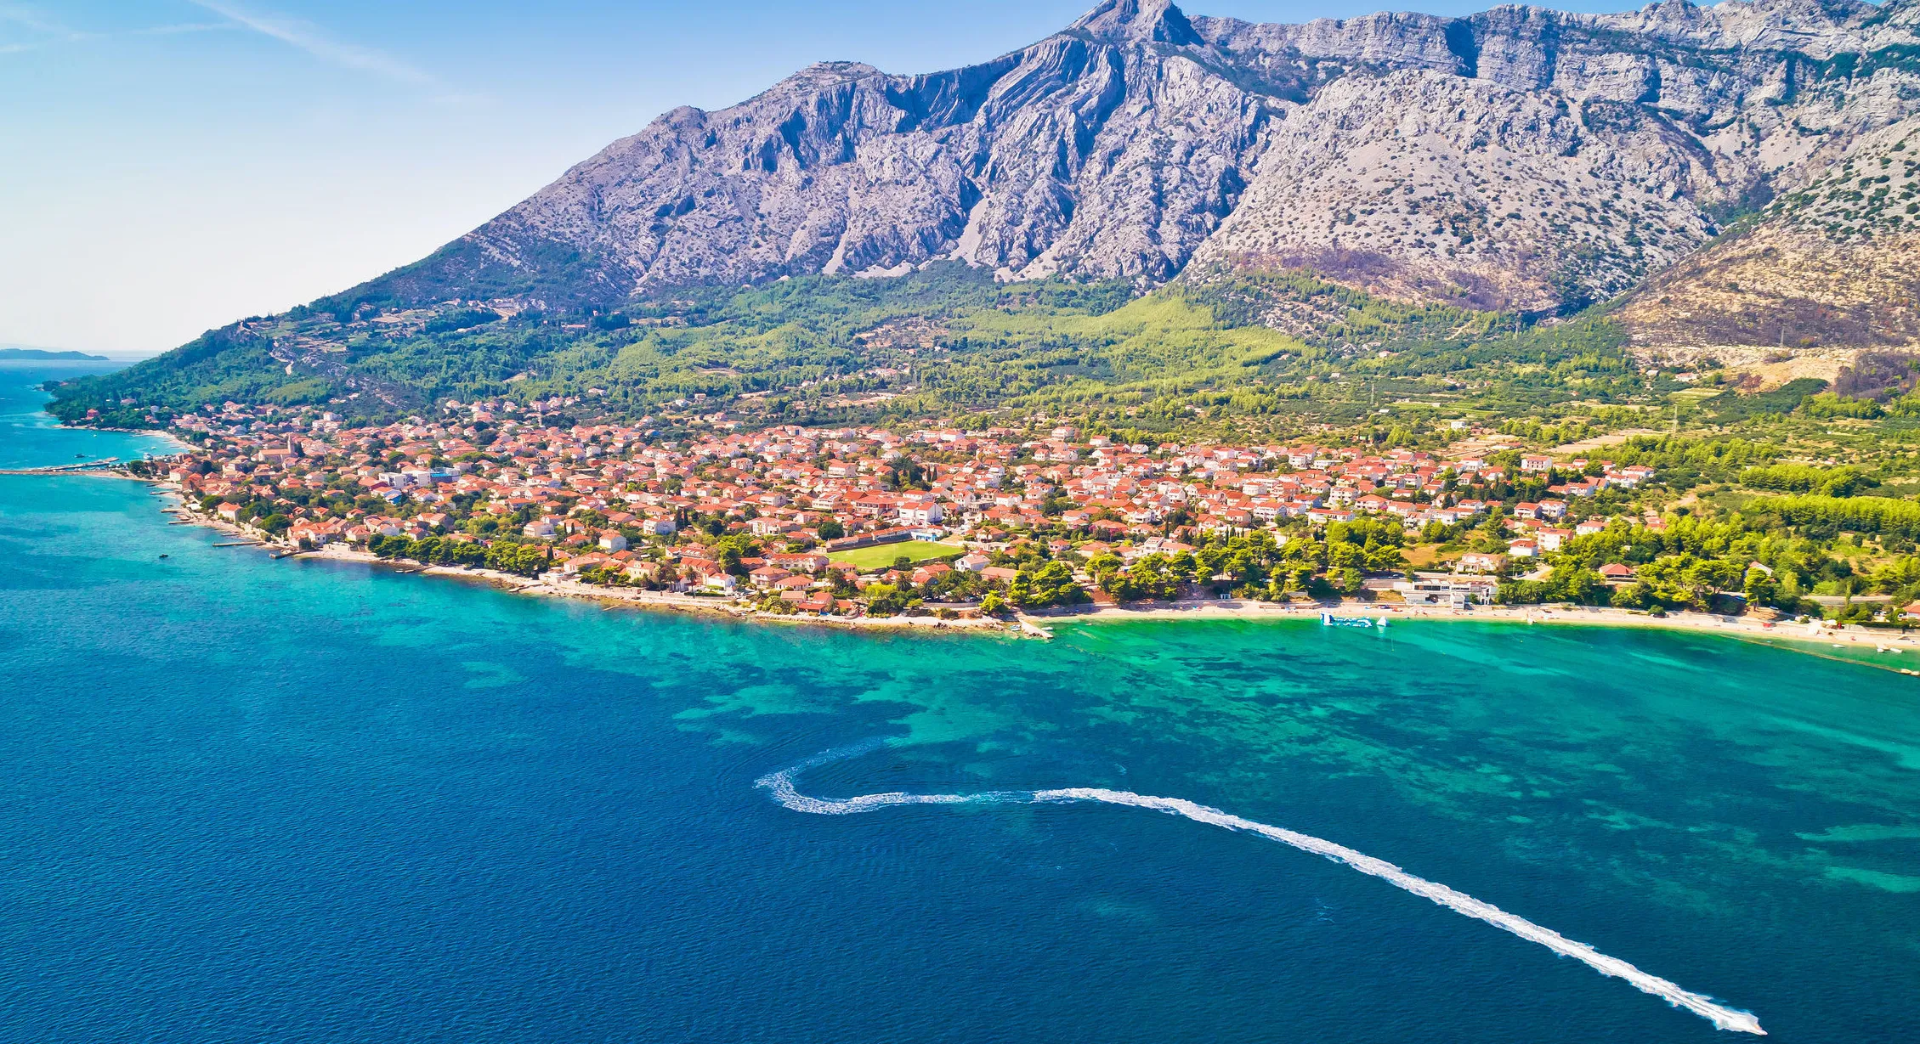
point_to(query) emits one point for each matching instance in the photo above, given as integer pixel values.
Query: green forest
(947, 340)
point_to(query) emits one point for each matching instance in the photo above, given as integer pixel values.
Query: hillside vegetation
(946, 340)
(1830, 264)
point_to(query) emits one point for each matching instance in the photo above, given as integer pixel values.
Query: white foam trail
(781, 785)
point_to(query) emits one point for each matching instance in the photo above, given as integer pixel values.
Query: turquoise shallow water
(246, 800)
(29, 437)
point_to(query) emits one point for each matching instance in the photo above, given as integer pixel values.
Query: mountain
(1684, 163)
(19, 352)
(1519, 158)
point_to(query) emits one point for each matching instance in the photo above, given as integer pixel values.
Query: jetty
(108, 464)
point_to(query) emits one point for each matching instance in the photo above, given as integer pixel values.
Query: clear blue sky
(167, 166)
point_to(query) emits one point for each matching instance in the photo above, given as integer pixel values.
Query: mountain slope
(1099, 152)
(1426, 186)
(1832, 263)
(1126, 144)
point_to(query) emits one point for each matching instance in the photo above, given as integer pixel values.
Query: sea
(311, 801)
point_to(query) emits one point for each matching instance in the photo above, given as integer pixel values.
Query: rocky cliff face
(1519, 158)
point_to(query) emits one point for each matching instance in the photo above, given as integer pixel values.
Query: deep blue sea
(255, 801)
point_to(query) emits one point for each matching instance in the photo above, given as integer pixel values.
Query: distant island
(43, 354)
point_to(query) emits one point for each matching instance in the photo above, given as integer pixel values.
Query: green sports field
(881, 556)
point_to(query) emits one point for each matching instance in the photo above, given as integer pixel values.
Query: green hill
(822, 349)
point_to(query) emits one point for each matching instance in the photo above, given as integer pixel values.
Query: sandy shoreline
(1538, 614)
(1792, 636)
(1036, 624)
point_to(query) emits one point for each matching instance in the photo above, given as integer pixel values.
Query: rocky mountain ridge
(1519, 158)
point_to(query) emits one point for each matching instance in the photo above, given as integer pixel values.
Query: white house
(1455, 592)
(921, 513)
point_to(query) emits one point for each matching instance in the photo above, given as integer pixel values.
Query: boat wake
(781, 785)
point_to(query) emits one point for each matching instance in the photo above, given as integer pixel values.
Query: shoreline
(1754, 631)
(1035, 624)
(554, 587)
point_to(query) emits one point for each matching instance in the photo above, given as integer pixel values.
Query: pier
(108, 464)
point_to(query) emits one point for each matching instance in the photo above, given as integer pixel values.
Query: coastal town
(931, 521)
(1136, 522)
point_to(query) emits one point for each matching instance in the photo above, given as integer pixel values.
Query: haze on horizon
(184, 163)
